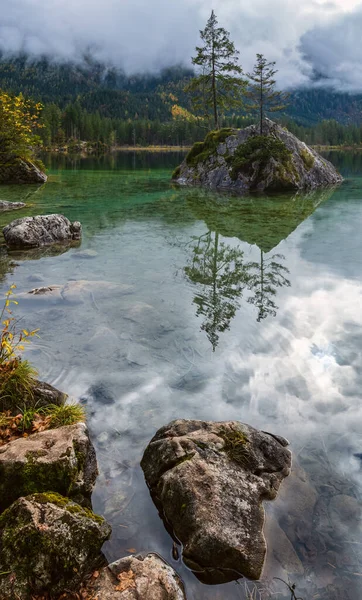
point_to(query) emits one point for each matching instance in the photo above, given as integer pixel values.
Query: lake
(193, 304)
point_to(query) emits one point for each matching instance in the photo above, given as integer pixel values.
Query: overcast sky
(304, 36)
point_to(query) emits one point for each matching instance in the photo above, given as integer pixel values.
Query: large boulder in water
(62, 460)
(43, 230)
(208, 481)
(242, 160)
(137, 577)
(48, 544)
(19, 170)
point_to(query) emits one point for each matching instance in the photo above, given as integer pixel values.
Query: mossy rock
(48, 544)
(62, 460)
(202, 151)
(307, 158)
(241, 160)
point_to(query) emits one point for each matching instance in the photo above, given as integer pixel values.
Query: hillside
(116, 95)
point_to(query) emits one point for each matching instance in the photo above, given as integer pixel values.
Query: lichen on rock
(242, 160)
(62, 460)
(209, 480)
(48, 544)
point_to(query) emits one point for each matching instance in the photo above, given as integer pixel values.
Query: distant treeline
(75, 123)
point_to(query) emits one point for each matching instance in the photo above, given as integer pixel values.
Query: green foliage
(17, 380)
(19, 121)
(307, 158)
(219, 85)
(202, 151)
(260, 149)
(66, 414)
(263, 96)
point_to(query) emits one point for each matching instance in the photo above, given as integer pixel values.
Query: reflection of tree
(268, 277)
(220, 270)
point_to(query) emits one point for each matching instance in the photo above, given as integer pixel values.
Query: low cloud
(304, 38)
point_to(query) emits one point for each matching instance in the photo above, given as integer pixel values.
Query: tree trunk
(213, 83)
(261, 104)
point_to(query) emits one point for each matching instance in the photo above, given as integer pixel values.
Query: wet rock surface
(44, 230)
(21, 171)
(304, 168)
(138, 577)
(4, 205)
(208, 480)
(62, 460)
(48, 543)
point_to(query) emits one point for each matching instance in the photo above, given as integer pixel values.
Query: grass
(37, 419)
(17, 380)
(67, 414)
(235, 445)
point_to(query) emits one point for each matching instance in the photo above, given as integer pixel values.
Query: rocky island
(242, 160)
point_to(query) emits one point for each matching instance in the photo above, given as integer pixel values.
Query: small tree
(217, 87)
(261, 91)
(19, 122)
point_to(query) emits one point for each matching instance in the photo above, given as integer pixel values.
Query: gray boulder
(4, 205)
(44, 230)
(208, 481)
(18, 170)
(241, 160)
(138, 577)
(62, 460)
(48, 544)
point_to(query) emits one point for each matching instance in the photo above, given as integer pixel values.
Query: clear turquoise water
(223, 308)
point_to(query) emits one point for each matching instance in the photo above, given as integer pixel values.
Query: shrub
(201, 151)
(259, 148)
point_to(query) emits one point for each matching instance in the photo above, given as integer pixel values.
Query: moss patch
(69, 505)
(258, 149)
(202, 151)
(177, 172)
(307, 158)
(235, 445)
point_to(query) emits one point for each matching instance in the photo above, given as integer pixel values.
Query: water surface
(214, 307)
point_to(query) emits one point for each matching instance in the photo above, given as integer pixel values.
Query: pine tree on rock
(219, 85)
(261, 91)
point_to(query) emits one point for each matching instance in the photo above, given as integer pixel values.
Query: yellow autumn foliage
(19, 122)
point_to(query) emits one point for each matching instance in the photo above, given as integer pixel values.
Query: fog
(304, 38)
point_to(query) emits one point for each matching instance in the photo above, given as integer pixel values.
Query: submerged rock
(208, 481)
(62, 460)
(242, 160)
(21, 171)
(48, 544)
(4, 205)
(43, 230)
(138, 577)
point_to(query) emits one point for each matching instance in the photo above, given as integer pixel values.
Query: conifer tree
(218, 86)
(261, 91)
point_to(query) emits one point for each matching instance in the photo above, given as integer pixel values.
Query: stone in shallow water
(43, 230)
(138, 577)
(62, 460)
(48, 543)
(208, 480)
(4, 205)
